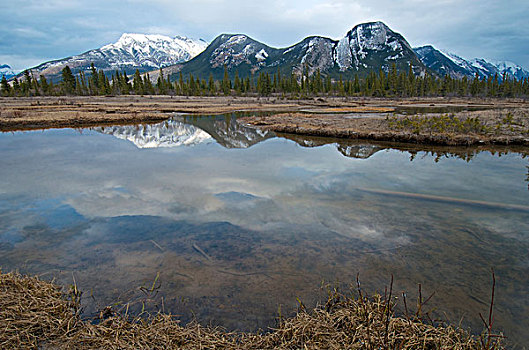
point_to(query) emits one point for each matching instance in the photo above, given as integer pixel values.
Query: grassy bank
(502, 126)
(500, 121)
(40, 314)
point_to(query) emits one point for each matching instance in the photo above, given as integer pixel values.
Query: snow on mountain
(511, 69)
(448, 63)
(234, 50)
(228, 132)
(170, 133)
(358, 150)
(6, 71)
(183, 131)
(366, 47)
(152, 50)
(316, 53)
(374, 45)
(443, 63)
(348, 149)
(130, 52)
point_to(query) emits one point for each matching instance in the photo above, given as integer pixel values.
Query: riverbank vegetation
(392, 83)
(40, 314)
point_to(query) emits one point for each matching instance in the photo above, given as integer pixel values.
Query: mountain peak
(132, 51)
(372, 25)
(5, 70)
(374, 45)
(143, 37)
(447, 63)
(179, 45)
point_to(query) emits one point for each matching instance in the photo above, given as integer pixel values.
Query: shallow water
(239, 223)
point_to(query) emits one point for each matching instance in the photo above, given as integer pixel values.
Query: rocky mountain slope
(366, 47)
(130, 52)
(188, 131)
(457, 67)
(6, 71)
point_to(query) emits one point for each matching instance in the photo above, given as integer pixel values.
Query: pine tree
(126, 86)
(68, 81)
(94, 80)
(237, 83)
(26, 83)
(137, 83)
(160, 84)
(104, 85)
(147, 85)
(226, 83)
(82, 81)
(211, 84)
(4, 87)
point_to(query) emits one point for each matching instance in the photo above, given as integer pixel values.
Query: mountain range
(366, 47)
(189, 131)
(445, 63)
(226, 131)
(130, 52)
(6, 71)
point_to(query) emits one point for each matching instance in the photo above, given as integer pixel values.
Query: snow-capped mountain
(6, 71)
(441, 63)
(511, 69)
(351, 149)
(366, 47)
(227, 132)
(457, 67)
(170, 133)
(373, 46)
(188, 131)
(130, 52)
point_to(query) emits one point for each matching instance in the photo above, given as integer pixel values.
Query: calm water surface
(237, 222)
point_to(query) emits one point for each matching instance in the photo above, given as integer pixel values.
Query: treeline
(382, 84)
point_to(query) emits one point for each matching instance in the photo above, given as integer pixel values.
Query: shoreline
(344, 118)
(38, 314)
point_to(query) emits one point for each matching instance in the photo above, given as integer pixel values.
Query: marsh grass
(442, 124)
(40, 314)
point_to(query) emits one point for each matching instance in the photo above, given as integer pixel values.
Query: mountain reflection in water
(189, 130)
(238, 221)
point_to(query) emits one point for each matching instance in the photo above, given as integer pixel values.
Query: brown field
(38, 314)
(504, 121)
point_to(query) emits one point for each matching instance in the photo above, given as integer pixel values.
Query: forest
(392, 83)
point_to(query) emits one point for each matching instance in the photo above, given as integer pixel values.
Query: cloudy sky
(33, 31)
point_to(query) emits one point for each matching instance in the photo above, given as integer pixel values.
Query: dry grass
(84, 111)
(39, 314)
(507, 126)
(373, 109)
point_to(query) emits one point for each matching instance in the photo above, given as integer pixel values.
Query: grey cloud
(489, 29)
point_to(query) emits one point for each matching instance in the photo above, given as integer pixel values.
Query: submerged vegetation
(391, 83)
(39, 314)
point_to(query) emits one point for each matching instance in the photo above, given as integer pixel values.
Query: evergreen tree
(82, 81)
(237, 86)
(160, 84)
(5, 89)
(16, 87)
(68, 81)
(137, 83)
(26, 83)
(148, 88)
(104, 85)
(226, 82)
(94, 80)
(211, 84)
(126, 86)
